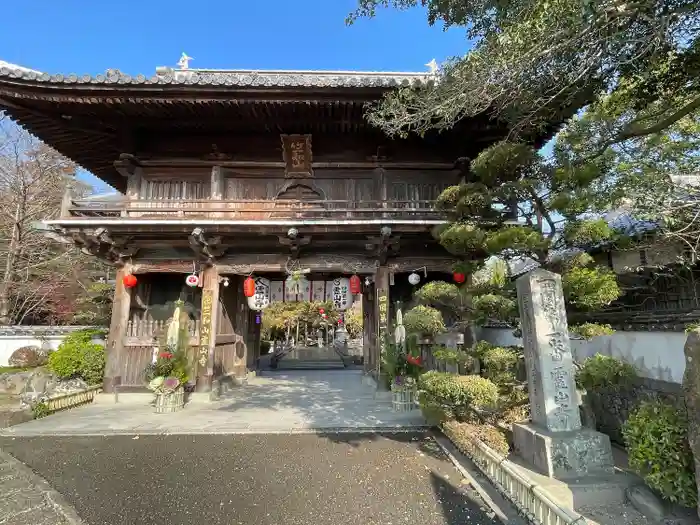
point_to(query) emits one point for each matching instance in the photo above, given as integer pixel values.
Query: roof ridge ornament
(433, 67)
(184, 62)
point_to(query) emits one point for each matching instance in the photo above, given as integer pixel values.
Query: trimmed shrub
(78, 356)
(424, 320)
(499, 364)
(434, 413)
(604, 372)
(458, 393)
(656, 435)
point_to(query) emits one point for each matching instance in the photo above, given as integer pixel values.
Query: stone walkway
(292, 401)
(28, 499)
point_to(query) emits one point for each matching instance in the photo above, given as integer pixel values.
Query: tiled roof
(225, 77)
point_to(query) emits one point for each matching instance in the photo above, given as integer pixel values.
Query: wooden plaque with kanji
(297, 155)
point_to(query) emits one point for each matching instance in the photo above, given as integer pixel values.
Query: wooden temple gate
(218, 172)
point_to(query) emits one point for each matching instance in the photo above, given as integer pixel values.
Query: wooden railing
(141, 332)
(258, 209)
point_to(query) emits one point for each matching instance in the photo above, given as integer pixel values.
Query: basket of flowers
(170, 394)
(403, 394)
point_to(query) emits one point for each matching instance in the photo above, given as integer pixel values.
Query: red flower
(166, 355)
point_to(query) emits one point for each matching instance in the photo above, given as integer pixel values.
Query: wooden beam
(265, 164)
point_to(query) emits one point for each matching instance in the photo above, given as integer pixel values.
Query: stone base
(564, 455)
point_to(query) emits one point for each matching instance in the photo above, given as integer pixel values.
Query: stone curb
(56, 500)
(444, 443)
(205, 432)
(533, 502)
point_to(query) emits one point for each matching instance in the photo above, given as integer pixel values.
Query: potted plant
(167, 378)
(404, 385)
(403, 393)
(170, 394)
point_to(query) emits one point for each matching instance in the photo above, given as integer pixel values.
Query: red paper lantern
(416, 361)
(130, 281)
(459, 277)
(249, 287)
(355, 285)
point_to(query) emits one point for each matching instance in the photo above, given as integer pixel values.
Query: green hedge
(656, 434)
(457, 392)
(78, 356)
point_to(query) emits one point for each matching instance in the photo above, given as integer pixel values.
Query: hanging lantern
(414, 278)
(192, 280)
(459, 277)
(130, 280)
(355, 285)
(249, 287)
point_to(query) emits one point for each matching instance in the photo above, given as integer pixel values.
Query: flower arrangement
(170, 362)
(164, 385)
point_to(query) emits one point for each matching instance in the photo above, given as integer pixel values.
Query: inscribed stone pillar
(554, 441)
(207, 329)
(115, 358)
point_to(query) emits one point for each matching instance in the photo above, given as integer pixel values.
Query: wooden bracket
(207, 249)
(127, 164)
(295, 245)
(382, 246)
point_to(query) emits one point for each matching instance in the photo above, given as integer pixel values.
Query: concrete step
(308, 364)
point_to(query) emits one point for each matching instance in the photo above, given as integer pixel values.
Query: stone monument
(554, 442)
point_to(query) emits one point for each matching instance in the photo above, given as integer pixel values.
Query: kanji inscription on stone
(550, 366)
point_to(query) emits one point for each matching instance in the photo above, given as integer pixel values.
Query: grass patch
(11, 369)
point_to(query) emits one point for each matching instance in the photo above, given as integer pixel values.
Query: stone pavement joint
(28, 499)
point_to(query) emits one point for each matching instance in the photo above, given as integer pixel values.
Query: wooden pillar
(67, 200)
(381, 188)
(207, 330)
(217, 183)
(368, 327)
(382, 308)
(133, 187)
(241, 326)
(114, 366)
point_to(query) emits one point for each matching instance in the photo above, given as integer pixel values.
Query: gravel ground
(255, 479)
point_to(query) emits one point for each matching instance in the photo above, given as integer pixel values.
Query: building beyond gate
(233, 173)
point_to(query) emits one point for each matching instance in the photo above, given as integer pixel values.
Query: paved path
(28, 499)
(347, 479)
(283, 402)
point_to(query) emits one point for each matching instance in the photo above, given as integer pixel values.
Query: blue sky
(77, 36)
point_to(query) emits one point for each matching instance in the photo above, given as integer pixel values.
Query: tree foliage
(533, 63)
(555, 207)
(280, 320)
(40, 278)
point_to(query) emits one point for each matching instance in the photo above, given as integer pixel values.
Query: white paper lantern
(341, 294)
(414, 278)
(261, 298)
(192, 280)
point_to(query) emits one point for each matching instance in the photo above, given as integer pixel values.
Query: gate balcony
(254, 210)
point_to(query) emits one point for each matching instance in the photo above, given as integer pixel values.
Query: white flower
(156, 383)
